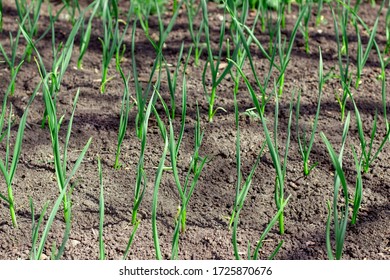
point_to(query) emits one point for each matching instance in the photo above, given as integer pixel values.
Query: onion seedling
(306, 19)
(140, 185)
(172, 81)
(240, 199)
(131, 239)
(124, 116)
(362, 58)
(357, 5)
(144, 8)
(71, 6)
(240, 26)
(62, 54)
(273, 146)
(195, 167)
(238, 36)
(29, 16)
(262, 7)
(319, 17)
(102, 254)
(304, 146)
(382, 77)
(344, 14)
(340, 219)
(261, 240)
(195, 35)
(61, 159)
(382, 62)
(368, 155)
(163, 31)
(214, 63)
(11, 60)
(282, 7)
(272, 26)
(4, 106)
(157, 182)
(37, 249)
(112, 40)
(61, 60)
(86, 35)
(280, 169)
(359, 187)
(8, 167)
(187, 189)
(142, 95)
(345, 76)
(241, 191)
(284, 56)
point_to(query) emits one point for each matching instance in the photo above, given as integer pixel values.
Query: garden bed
(207, 235)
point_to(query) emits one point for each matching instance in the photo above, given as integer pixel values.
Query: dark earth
(208, 235)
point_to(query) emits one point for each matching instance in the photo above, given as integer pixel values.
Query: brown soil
(207, 235)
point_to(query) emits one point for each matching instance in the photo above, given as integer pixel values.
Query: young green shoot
(61, 159)
(29, 14)
(62, 54)
(112, 40)
(131, 239)
(38, 247)
(71, 7)
(140, 185)
(344, 21)
(340, 218)
(86, 35)
(187, 188)
(195, 34)
(362, 58)
(345, 76)
(61, 59)
(241, 57)
(9, 166)
(102, 254)
(172, 81)
(124, 116)
(368, 154)
(163, 31)
(320, 17)
(357, 201)
(284, 54)
(304, 146)
(383, 62)
(195, 167)
(280, 169)
(11, 60)
(304, 27)
(241, 189)
(214, 63)
(270, 225)
(142, 95)
(157, 181)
